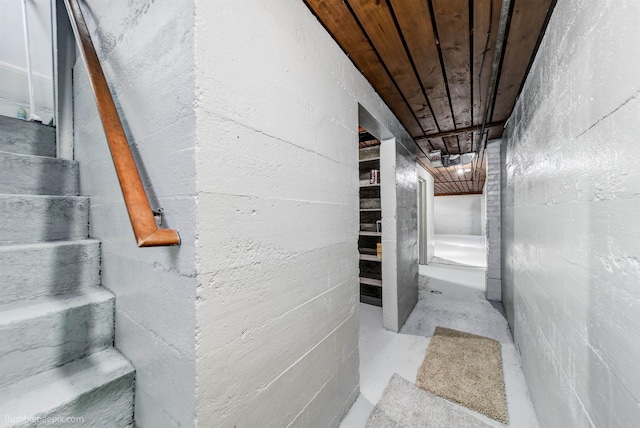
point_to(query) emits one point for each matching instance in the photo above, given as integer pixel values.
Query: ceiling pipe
(497, 55)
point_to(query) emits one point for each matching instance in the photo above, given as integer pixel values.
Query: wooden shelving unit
(370, 218)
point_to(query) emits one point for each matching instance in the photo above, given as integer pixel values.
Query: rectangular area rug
(403, 405)
(466, 369)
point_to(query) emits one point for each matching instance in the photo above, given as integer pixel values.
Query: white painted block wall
(147, 53)
(248, 140)
(458, 215)
(277, 216)
(571, 187)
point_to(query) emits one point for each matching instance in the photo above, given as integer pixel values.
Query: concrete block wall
(493, 227)
(147, 52)
(458, 215)
(277, 216)
(571, 194)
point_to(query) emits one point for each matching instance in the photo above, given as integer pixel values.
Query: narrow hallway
(450, 296)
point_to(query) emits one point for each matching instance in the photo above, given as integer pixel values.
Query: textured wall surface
(277, 301)
(431, 223)
(147, 53)
(571, 198)
(493, 227)
(458, 215)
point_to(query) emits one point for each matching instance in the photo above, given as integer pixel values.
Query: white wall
(430, 220)
(277, 306)
(13, 63)
(147, 54)
(571, 187)
(458, 215)
(483, 211)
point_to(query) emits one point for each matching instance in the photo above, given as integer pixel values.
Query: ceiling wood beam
(336, 17)
(527, 22)
(452, 29)
(416, 28)
(373, 16)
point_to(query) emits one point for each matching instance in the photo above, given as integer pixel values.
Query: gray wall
(277, 216)
(493, 228)
(407, 231)
(399, 295)
(570, 206)
(147, 53)
(458, 215)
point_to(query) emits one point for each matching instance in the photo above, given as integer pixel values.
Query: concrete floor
(461, 306)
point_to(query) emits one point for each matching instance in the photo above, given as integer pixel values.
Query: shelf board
(370, 258)
(370, 209)
(369, 160)
(367, 163)
(370, 233)
(372, 251)
(371, 281)
(369, 186)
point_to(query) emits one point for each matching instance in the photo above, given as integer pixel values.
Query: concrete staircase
(57, 361)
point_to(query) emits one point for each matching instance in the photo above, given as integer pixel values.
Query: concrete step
(31, 271)
(37, 175)
(28, 138)
(44, 333)
(95, 391)
(28, 219)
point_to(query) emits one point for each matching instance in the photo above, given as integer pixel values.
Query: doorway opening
(459, 236)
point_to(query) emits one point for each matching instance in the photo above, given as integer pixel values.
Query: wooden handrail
(142, 219)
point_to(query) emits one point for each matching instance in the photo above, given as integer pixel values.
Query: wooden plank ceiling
(431, 62)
